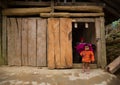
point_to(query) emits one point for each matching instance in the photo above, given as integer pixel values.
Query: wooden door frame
(100, 41)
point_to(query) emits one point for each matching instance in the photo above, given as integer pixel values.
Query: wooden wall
(24, 41)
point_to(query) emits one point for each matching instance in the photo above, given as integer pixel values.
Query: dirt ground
(44, 76)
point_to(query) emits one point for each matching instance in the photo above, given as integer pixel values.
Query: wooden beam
(83, 20)
(79, 4)
(80, 8)
(30, 3)
(71, 14)
(24, 11)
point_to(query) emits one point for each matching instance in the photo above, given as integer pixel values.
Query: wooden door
(26, 41)
(59, 43)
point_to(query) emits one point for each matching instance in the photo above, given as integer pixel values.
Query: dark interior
(79, 30)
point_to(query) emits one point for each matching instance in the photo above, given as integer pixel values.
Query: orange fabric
(87, 56)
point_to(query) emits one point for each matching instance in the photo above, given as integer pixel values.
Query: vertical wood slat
(24, 41)
(11, 51)
(4, 39)
(1, 57)
(32, 42)
(63, 42)
(17, 32)
(50, 43)
(57, 43)
(14, 34)
(66, 42)
(103, 45)
(69, 42)
(98, 39)
(41, 42)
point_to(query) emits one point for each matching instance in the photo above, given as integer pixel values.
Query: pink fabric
(80, 47)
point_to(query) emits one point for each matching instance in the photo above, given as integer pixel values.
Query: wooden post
(103, 43)
(98, 40)
(52, 6)
(1, 57)
(4, 39)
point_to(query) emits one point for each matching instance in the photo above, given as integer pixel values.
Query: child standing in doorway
(87, 58)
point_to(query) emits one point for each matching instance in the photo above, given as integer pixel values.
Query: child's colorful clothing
(80, 47)
(87, 56)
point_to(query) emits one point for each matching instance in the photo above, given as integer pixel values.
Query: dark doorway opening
(85, 30)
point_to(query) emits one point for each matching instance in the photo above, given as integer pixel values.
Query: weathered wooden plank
(65, 41)
(18, 26)
(11, 46)
(79, 4)
(1, 57)
(71, 14)
(103, 43)
(98, 40)
(50, 43)
(32, 42)
(4, 39)
(25, 11)
(83, 20)
(41, 42)
(30, 3)
(80, 8)
(114, 66)
(68, 28)
(16, 57)
(57, 42)
(24, 41)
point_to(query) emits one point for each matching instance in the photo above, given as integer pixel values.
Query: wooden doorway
(83, 28)
(59, 43)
